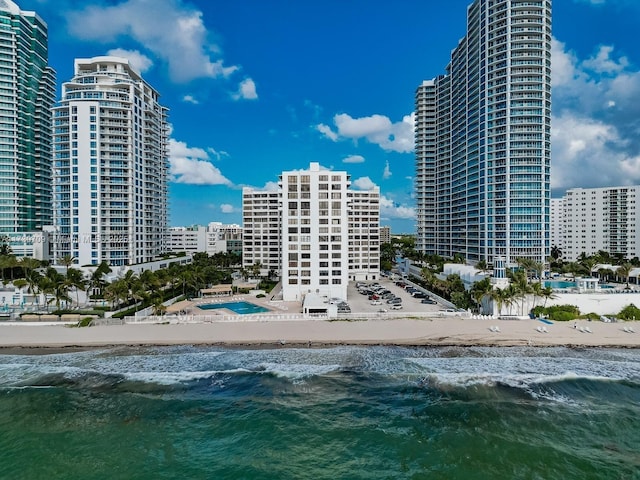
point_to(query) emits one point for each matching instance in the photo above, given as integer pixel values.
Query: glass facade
(482, 138)
(27, 93)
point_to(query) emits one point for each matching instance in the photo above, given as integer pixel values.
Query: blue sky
(255, 87)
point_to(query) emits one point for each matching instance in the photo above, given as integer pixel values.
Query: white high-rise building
(315, 232)
(261, 230)
(594, 219)
(213, 238)
(482, 138)
(111, 154)
(556, 227)
(27, 93)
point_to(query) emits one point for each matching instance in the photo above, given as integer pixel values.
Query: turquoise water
(559, 284)
(604, 285)
(241, 308)
(333, 413)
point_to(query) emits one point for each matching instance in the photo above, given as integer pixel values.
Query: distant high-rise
(590, 220)
(27, 93)
(111, 154)
(482, 138)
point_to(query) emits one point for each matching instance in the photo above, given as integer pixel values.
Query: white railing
(274, 317)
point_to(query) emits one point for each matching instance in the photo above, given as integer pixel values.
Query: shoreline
(449, 332)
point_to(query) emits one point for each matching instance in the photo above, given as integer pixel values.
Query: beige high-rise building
(315, 231)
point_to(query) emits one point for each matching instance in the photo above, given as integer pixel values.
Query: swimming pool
(241, 308)
(559, 284)
(604, 285)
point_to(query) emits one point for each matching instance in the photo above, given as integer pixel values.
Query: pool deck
(273, 307)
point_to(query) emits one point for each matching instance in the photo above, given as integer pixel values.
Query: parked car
(429, 301)
(419, 295)
(376, 302)
(396, 306)
(394, 301)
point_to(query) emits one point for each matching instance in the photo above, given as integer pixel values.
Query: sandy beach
(436, 331)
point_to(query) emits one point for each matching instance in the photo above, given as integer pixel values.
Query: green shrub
(630, 312)
(85, 322)
(561, 313)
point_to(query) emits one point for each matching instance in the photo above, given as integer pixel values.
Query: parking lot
(361, 304)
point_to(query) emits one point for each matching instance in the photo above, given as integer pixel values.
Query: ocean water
(332, 413)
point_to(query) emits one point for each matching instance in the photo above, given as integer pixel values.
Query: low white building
(213, 238)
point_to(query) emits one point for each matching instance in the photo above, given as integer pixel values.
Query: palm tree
(5, 248)
(482, 266)
(159, 308)
(116, 291)
(556, 253)
(150, 282)
(624, 270)
(498, 296)
(536, 290)
(29, 264)
(548, 294)
(588, 263)
(75, 278)
(97, 277)
(53, 283)
(538, 267)
(479, 290)
(8, 261)
(67, 261)
(526, 265)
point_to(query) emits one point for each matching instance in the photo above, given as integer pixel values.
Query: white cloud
(377, 129)
(217, 154)
(171, 30)
(227, 208)
(190, 99)
(353, 159)
(271, 187)
(603, 63)
(192, 166)
(140, 62)
(595, 126)
(327, 132)
(363, 183)
(246, 90)
(391, 209)
(386, 174)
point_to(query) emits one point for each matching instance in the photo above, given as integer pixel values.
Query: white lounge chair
(626, 330)
(544, 329)
(539, 329)
(581, 330)
(631, 330)
(587, 329)
(496, 329)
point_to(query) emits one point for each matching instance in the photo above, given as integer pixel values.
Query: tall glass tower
(482, 138)
(27, 93)
(111, 172)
